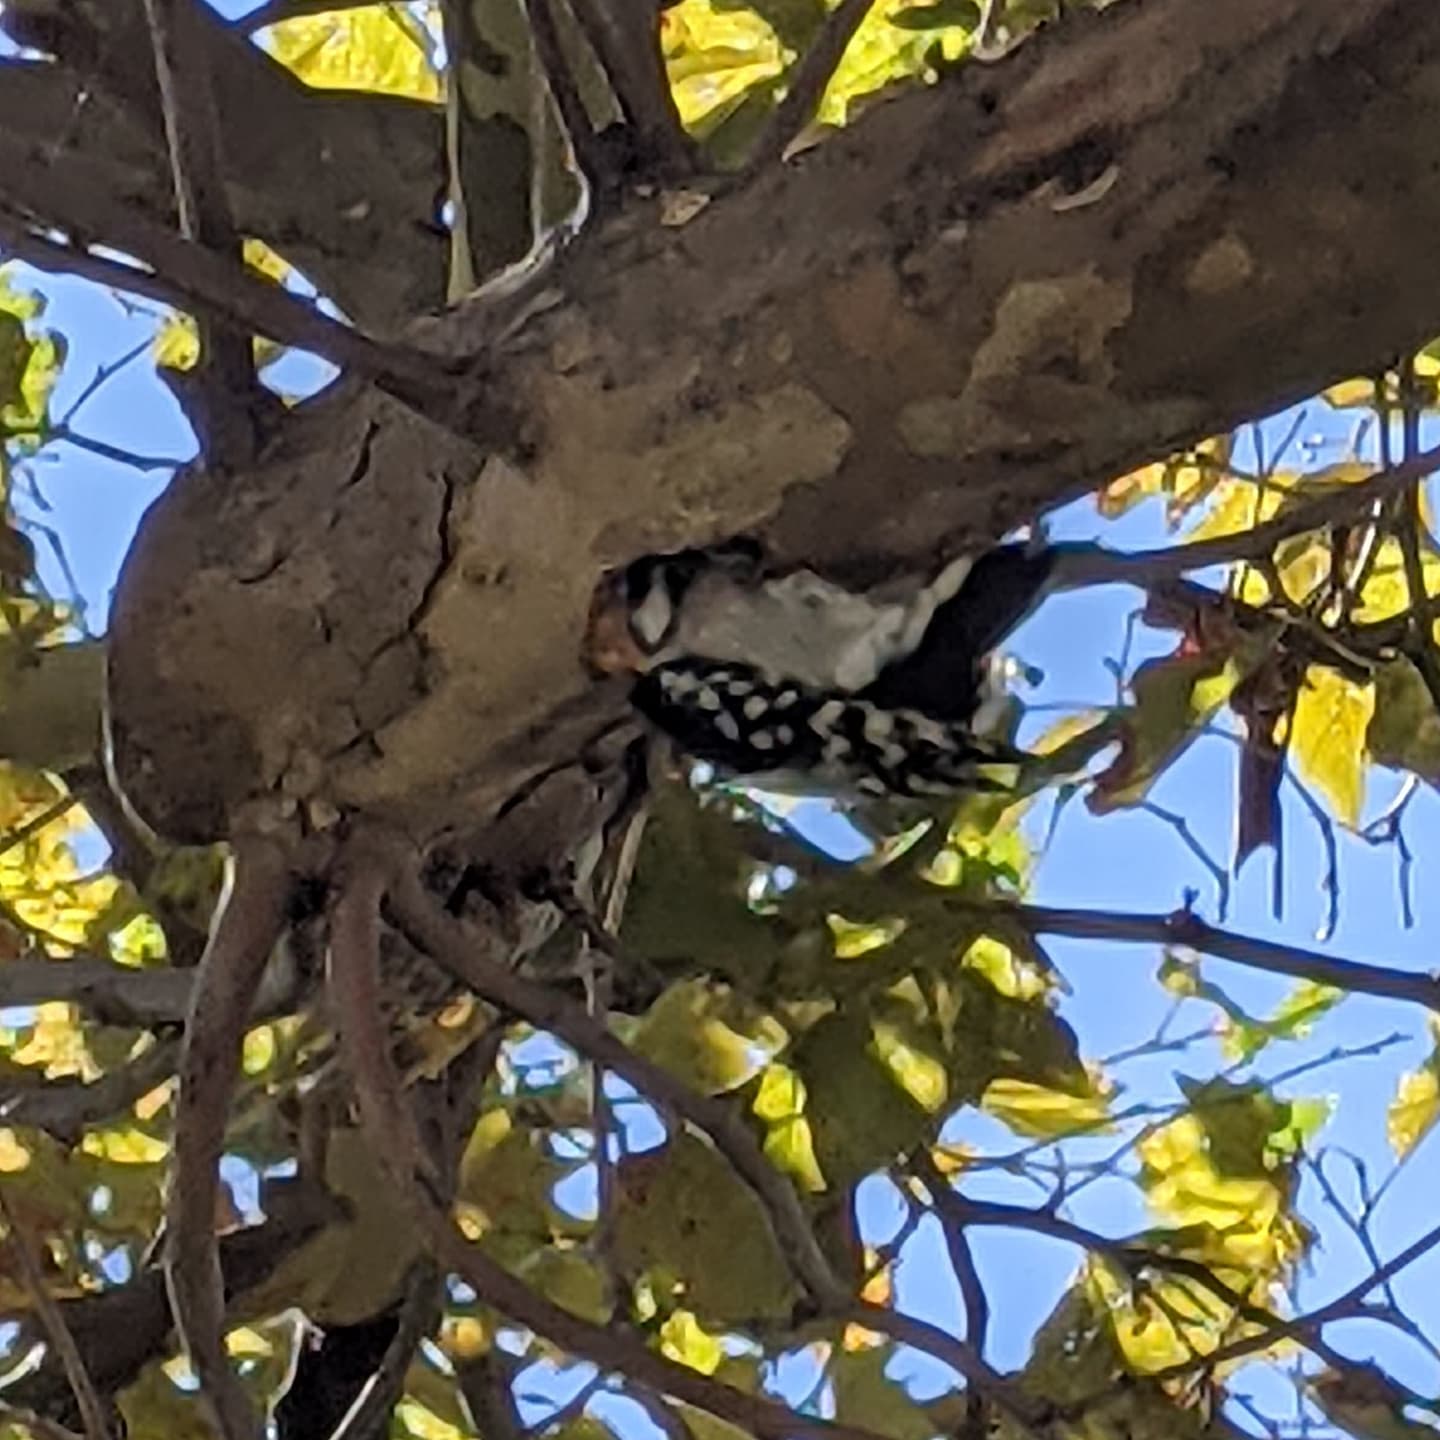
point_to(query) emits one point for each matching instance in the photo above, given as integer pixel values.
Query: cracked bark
(983, 298)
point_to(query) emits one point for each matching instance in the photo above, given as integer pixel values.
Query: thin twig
(369, 1414)
(87, 1398)
(1330, 883)
(1183, 927)
(812, 75)
(1092, 565)
(249, 920)
(106, 451)
(1181, 826)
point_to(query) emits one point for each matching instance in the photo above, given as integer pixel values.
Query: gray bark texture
(981, 299)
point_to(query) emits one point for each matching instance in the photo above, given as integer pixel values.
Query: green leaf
(964, 13)
(861, 1116)
(708, 1036)
(866, 1397)
(1404, 730)
(686, 1221)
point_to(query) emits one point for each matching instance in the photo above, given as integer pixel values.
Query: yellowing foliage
(377, 48)
(1327, 738)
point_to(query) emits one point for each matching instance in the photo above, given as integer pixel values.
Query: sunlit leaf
(377, 48)
(682, 1338)
(1327, 738)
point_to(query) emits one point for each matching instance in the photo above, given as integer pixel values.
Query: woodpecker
(798, 683)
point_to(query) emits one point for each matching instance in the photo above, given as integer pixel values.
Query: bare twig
(106, 451)
(807, 85)
(249, 920)
(87, 1399)
(1183, 927)
(1181, 826)
(28, 829)
(1330, 882)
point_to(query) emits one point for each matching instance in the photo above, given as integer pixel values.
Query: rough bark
(986, 296)
(348, 187)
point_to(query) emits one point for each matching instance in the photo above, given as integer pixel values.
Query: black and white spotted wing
(733, 716)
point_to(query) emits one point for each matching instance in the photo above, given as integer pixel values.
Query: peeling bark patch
(1044, 363)
(1220, 267)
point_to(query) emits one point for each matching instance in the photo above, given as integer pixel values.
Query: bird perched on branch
(799, 683)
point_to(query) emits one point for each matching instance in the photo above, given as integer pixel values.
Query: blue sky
(1129, 861)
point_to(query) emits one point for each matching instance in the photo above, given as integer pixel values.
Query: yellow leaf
(1040, 1111)
(376, 48)
(259, 1049)
(425, 1424)
(920, 1075)
(125, 1147)
(1414, 1110)
(14, 1157)
(683, 1339)
(1327, 739)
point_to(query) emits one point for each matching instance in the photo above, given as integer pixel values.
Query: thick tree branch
(249, 921)
(112, 994)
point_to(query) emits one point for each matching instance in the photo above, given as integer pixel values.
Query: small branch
(560, 81)
(624, 37)
(369, 1415)
(189, 278)
(475, 960)
(113, 994)
(39, 1425)
(250, 919)
(354, 980)
(106, 451)
(812, 75)
(1183, 927)
(28, 829)
(1181, 826)
(1345, 1306)
(64, 1108)
(1092, 565)
(92, 1411)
